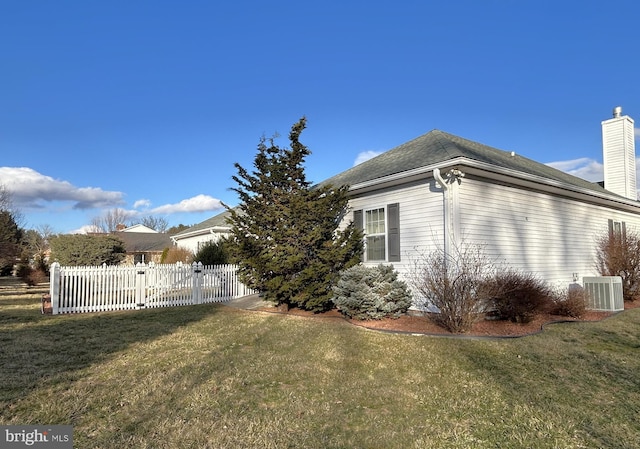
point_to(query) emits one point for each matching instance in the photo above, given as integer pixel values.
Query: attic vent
(604, 293)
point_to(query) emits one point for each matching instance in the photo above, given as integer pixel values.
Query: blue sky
(146, 105)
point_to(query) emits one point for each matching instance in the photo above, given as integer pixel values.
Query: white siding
(421, 205)
(193, 243)
(550, 236)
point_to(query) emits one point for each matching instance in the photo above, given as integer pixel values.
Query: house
(441, 191)
(210, 230)
(136, 228)
(143, 246)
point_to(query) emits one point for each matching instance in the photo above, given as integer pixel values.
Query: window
(617, 229)
(375, 234)
(381, 227)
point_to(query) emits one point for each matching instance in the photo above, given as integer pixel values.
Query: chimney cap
(617, 111)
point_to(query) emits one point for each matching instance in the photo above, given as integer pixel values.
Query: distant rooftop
(217, 221)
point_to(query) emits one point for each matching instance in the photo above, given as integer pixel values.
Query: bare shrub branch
(570, 302)
(517, 296)
(451, 283)
(618, 254)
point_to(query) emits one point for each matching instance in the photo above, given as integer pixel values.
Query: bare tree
(46, 231)
(160, 224)
(36, 241)
(109, 221)
(5, 198)
(7, 205)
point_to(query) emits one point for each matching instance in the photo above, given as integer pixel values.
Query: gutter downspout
(447, 210)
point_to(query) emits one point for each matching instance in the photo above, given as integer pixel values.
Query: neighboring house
(144, 247)
(136, 228)
(440, 191)
(210, 230)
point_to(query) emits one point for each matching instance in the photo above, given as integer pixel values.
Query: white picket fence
(106, 288)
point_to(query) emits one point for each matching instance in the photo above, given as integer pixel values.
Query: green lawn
(214, 377)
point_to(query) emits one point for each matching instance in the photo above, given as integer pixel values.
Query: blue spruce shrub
(367, 293)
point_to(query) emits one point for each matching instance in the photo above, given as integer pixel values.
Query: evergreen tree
(80, 249)
(212, 253)
(285, 233)
(173, 230)
(10, 237)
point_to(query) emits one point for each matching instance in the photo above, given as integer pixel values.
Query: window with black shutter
(381, 226)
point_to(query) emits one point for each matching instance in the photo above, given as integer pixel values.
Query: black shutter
(358, 219)
(610, 228)
(393, 231)
(358, 222)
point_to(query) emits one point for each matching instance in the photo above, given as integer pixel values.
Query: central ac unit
(604, 293)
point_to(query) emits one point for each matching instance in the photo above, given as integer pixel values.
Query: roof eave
(209, 230)
(502, 174)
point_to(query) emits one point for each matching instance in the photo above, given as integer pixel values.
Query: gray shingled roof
(430, 149)
(216, 221)
(436, 147)
(135, 242)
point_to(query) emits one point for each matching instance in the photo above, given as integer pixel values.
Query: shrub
(212, 253)
(36, 277)
(82, 249)
(371, 293)
(517, 296)
(31, 276)
(23, 270)
(571, 302)
(618, 254)
(176, 254)
(451, 282)
(41, 264)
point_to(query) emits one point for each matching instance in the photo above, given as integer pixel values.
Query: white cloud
(30, 189)
(636, 131)
(584, 168)
(365, 156)
(198, 203)
(83, 230)
(589, 169)
(144, 203)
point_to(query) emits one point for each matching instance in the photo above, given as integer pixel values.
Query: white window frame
(368, 235)
(617, 228)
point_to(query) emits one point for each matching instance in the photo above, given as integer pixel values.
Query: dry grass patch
(214, 377)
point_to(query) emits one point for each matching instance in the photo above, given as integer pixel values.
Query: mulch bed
(416, 323)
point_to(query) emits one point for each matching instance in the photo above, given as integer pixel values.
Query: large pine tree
(10, 237)
(286, 235)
